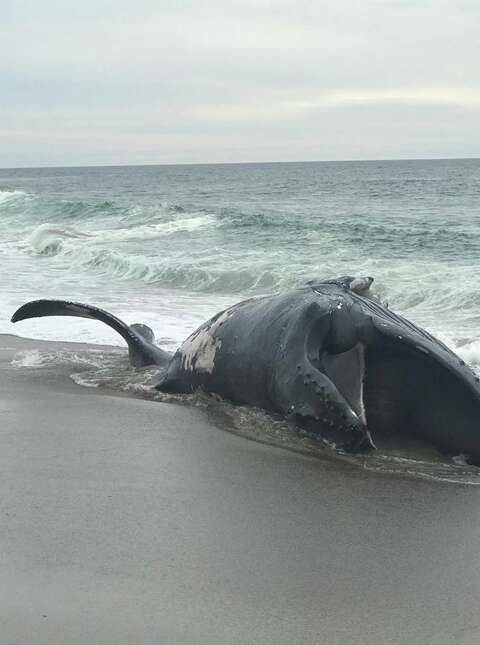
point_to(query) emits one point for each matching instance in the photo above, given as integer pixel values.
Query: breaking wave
(8, 196)
(185, 275)
(48, 240)
(210, 276)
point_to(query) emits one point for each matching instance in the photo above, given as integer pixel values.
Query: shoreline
(128, 520)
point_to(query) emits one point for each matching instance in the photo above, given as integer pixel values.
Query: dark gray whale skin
(326, 356)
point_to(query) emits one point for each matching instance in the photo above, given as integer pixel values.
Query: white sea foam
(470, 352)
(152, 231)
(84, 380)
(10, 195)
(93, 358)
(467, 349)
(120, 378)
(31, 358)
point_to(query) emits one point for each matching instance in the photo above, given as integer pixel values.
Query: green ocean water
(173, 244)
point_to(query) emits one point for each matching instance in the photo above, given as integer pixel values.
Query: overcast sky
(140, 81)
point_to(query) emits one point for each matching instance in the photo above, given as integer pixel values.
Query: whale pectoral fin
(313, 399)
(141, 350)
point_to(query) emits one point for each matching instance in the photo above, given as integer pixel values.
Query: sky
(93, 82)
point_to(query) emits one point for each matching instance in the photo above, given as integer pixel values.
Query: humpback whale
(327, 356)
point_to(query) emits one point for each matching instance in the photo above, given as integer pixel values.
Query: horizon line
(236, 163)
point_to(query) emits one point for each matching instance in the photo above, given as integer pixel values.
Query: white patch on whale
(199, 350)
(201, 353)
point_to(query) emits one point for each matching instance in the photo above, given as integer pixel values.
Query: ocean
(170, 246)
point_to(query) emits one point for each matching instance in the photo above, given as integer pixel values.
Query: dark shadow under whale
(326, 355)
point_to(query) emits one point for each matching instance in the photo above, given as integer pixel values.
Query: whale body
(327, 356)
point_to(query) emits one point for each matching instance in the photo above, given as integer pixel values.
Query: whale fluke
(141, 350)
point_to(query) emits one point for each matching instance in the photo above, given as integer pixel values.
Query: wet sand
(127, 521)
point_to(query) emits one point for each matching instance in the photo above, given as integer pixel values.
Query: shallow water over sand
(108, 369)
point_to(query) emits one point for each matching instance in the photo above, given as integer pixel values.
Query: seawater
(172, 245)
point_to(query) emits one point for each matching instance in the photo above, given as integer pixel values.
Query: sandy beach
(128, 521)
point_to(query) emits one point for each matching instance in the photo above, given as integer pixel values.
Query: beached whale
(325, 355)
